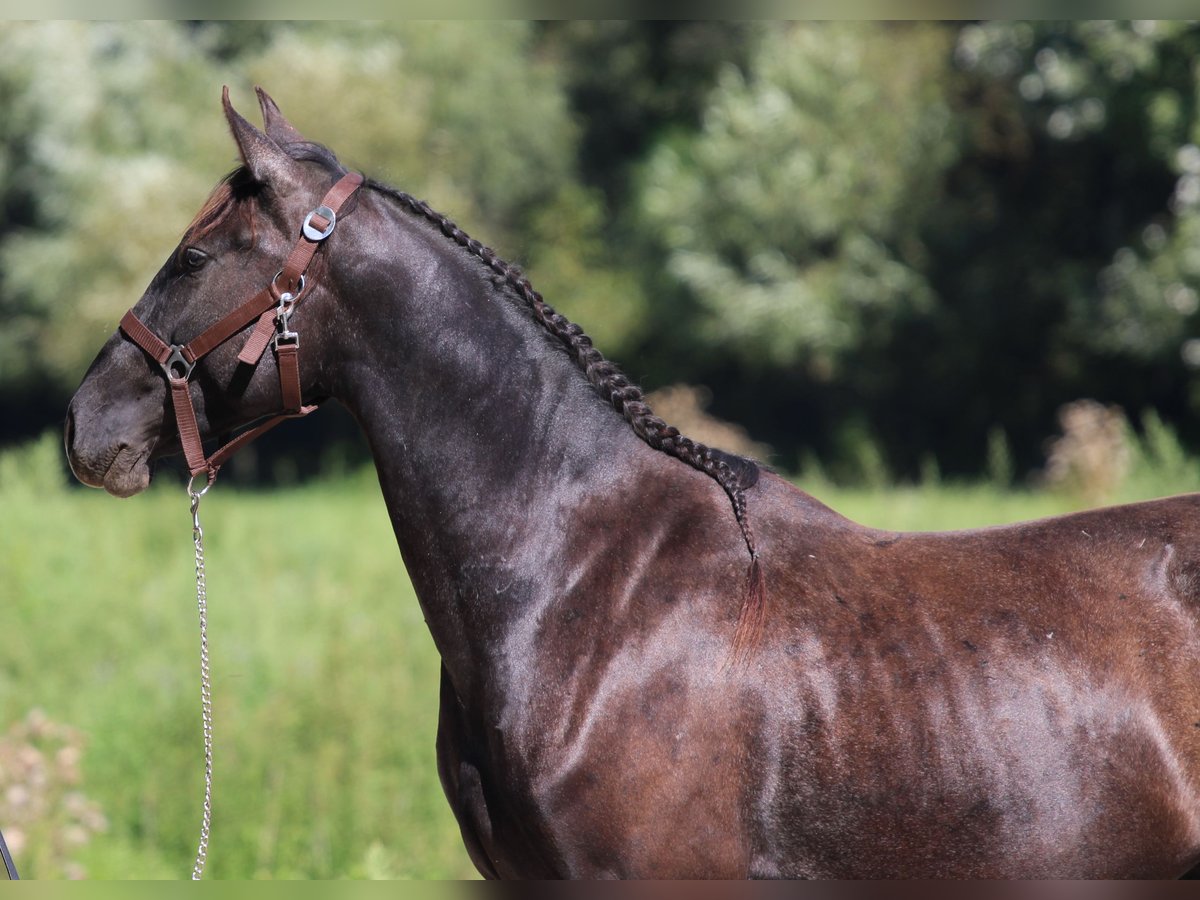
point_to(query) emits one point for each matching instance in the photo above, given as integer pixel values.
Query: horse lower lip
(126, 485)
(125, 480)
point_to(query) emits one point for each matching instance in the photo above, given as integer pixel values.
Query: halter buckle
(314, 234)
(176, 367)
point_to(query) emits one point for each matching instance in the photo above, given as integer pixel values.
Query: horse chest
(624, 788)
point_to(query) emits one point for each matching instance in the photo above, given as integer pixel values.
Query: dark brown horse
(621, 695)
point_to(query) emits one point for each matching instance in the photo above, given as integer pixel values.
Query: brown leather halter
(273, 307)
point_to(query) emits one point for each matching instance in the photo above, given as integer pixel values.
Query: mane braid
(627, 398)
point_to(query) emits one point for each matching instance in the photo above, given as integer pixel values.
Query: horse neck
(485, 436)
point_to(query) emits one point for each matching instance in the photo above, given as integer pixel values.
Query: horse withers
(659, 660)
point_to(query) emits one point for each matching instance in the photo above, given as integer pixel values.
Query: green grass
(941, 507)
(324, 679)
(324, 675)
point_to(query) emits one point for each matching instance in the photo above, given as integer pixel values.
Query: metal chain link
(205, 682)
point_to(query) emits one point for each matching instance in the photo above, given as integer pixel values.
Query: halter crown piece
(273, 307)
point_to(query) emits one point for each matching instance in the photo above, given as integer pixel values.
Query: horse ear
(265, 159)
(279, 129)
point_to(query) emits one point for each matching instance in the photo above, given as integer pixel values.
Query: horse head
(121, 417)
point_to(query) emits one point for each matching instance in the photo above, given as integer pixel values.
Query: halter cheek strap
(272, 307)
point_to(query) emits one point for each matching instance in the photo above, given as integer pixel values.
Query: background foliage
(906, 236)
(892, 251)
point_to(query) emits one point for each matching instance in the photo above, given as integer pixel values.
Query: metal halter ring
(295, 295)
(315, 234)
(176, 364)
(210, 477)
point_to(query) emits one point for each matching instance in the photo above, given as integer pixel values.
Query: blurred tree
(1063, 254)
(484, 136)
(94, 170)
(113, 135)
(911, 234)
(631, 81)
(791, 217)
(790, 223)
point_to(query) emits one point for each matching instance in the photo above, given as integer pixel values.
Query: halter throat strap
(272, 307)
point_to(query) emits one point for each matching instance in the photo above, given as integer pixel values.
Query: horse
(659, 660)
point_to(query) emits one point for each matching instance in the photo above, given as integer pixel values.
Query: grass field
(325, 678)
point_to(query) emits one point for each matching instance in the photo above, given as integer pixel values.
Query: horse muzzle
(100, 459)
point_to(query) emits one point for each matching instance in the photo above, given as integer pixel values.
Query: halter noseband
(273, 307)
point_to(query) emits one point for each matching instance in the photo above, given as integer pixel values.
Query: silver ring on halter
(290, 295)
(210, 477)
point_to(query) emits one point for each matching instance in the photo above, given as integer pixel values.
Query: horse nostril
(69, 431)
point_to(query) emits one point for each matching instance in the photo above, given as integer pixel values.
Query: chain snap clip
(283, 314)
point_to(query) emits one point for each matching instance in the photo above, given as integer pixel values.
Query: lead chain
(205, 683)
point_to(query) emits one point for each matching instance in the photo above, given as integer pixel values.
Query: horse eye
(194, 258)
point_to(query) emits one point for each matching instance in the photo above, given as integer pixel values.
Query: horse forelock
(233, 195)
(236, 192)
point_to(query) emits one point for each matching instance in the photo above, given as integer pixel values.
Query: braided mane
(627, 398)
